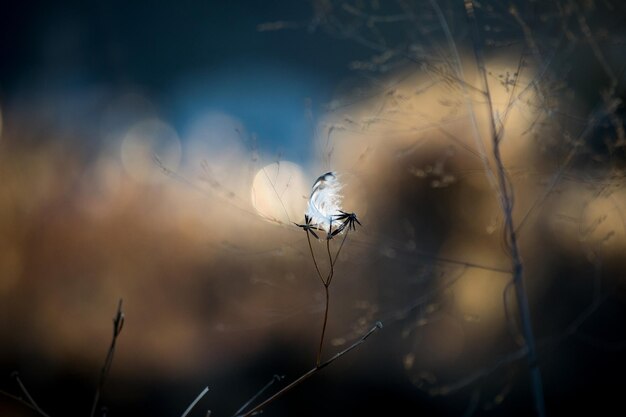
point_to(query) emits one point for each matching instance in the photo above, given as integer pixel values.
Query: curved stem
(319, 274)
(507, 202)
(341, 246)
(274, 379)
(331, 263)
(194, 402)
(118, 324)
(24, 403)
(319, 351)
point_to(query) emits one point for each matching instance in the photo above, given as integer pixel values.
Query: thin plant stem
(506, 196)
(326, 282)
(118, 324)
(461, 78)
(24, 403)
(311, 372)
(327, 291)
(319, 351)
(193, 404)
(274, 379)
(339, 250)
(29, 402)
(331, 263)
(25, 391)
(319, 274)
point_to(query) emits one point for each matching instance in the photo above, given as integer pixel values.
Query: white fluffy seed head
(325, 202)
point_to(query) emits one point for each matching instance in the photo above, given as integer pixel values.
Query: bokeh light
(280, 192)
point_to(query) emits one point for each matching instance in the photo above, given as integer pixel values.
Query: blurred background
(160, 153)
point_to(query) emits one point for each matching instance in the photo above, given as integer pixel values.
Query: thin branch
(461, 76)
(506, 196)
(327, 292)
(481, 373)
(26, 393)
(275, 378)
(417, 253)
(319, 351)
(594, 118)
(311, 372)
(308, 238)
(473, 404)
(118, 324)
(23, 402)
(571, 330)
(214, 186)
(31, 401)
(331, 263)
(193, 404)
(339, 250)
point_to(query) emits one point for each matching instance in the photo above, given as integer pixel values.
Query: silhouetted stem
(194, 402)
(319, 351)
(506, 198)
(311, 372)
(31, 401)
(331, 263)
(319, 274)
(337, 255)
(255, 396)
(118, 324)
(25, 391)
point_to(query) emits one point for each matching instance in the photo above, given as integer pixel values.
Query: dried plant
(323, 214)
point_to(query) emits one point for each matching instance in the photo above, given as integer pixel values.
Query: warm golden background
(160, 153)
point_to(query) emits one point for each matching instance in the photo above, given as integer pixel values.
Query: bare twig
(461, 76)
(319, 351)
(193, 404)
(23, 402)
(507, 200)
(311, 372)
(326, 283)
(571, 330)
(26, 393)
(337, 254)
(118, 324)
(593, 120)
(319, 274)
(275, 378)
(29, 402)
(330, 262)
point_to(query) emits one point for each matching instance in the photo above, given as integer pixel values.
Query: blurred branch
(23, 402)
(27, 394)
(194, 402)
(29, 402)
(118, 324)
(461, 76)
(473, 403)
(507, 201)
(480, 373)
(227, 196)
(592, 121)
(311, 372)
(275, 378)
(571, 330)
